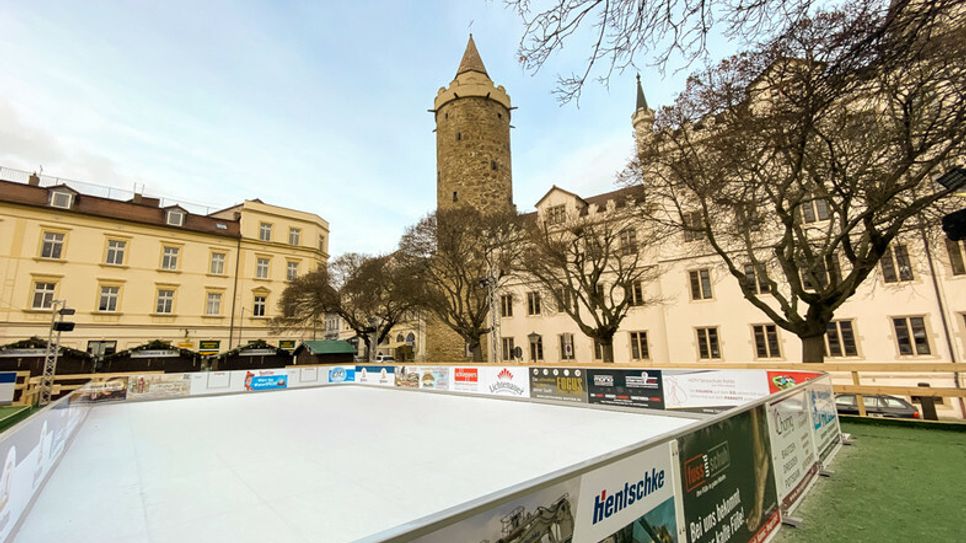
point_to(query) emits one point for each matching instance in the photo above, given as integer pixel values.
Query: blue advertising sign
(265, 381)
(342, 375)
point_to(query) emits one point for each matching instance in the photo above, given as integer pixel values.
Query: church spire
(641, 101)
(471, 60)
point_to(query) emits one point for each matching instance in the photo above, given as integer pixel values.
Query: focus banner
(729, 481)
(561, 384)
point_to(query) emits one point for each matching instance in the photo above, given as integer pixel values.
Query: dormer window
(175, 217)
(61, 199)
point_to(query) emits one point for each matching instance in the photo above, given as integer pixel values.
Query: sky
(321, 108)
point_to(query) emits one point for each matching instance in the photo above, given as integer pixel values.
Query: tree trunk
(813, 349)
(476, 350)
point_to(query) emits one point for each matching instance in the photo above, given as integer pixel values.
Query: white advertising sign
(792, 449)
(825, 420)
(712, 390)
(376, 375)
(467, 379)
(507, 381)
(434, 377)
(636, 492)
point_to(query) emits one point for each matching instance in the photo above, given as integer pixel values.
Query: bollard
(928, 404)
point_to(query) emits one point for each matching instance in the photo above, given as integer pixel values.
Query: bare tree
(594, 268)
(455, 253)
(372, 294)
(620, 31)
(799, 162)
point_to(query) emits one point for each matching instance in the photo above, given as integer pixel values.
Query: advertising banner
(8, 383)
(545, 515)
(825, 421)
(782, 380)
(434, 377)
(259, 380)
(219, 380)
(712, 391)
(507, 381)
(111, 390)
(407, 376)
(467, 379)
(729, 482)
(158, 386)
(792, 449)
(629, 388)
(561, 384)
(631, 500)
(376, 375)
(341, 374)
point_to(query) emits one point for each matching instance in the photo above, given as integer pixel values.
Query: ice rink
(323, 464)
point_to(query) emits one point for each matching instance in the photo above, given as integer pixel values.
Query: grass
(10, 415)
(896, 483)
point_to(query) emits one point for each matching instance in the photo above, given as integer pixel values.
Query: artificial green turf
(10, 415)
(893, 484)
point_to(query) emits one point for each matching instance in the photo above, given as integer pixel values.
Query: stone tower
(643, 118)
(473, 139)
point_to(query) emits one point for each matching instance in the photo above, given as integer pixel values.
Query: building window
(213, 304)
(826, 270)
(175, 217)
(813, 210)
(556, 214)
(567, 347)
(693, 226)
(165, 303)
(754, 281)
(115, 251)
(294, 236)
(292, 271)
(708, 347)
(61, 199)
(895, 264)
(108, 300)
(53, 246)
(261, 268)
(169, 258)
(700, 284)
(598, 350)
(507, 349)
(840, 339)
(322, 243)
(265, 232)
(911, 336)
(459, 136)
(536, 348)
(639, 349)
(43, 295)
(533, 303)
(766, 341)
(628, 241)
(506, 305)
(493, 165)
(258, 306)
(455, 196)
(957, 260)
(637, 293)
(217, 266)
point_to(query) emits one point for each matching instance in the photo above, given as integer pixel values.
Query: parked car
(877, 406)
(385, 358)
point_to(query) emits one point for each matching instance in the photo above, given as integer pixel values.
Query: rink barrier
(758, 440)
(31, 450)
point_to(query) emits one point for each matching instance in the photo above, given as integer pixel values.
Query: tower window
(446, 115)
(459, 136)
(455, 196)
(499, 115)
(493, 165)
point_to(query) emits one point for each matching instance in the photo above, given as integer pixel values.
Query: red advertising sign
(781, 380)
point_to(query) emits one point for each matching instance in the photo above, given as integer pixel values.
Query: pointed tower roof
(471, 60)
(641, 101)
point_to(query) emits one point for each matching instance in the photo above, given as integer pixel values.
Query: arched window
(399, 338)
(411, 338)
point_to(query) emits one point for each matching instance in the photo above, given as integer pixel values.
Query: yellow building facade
(136, 271)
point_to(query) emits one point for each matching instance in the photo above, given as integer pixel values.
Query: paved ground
(894, 484)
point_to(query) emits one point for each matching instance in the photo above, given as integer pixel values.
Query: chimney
(34, 180)
(137, 198)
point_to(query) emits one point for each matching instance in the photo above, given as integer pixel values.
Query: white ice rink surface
(313, 465)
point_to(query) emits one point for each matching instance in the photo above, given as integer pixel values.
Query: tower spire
(471, 60)
(641, 101)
